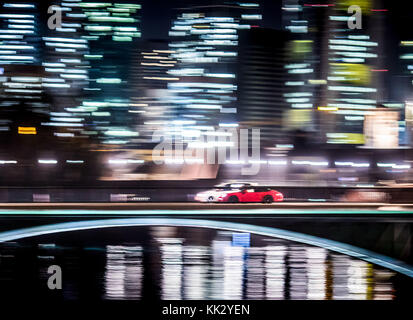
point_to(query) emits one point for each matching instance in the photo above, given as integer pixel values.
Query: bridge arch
(343, 248)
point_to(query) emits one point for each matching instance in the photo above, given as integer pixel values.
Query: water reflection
(172, 265)
(123, 278)
(188, 263)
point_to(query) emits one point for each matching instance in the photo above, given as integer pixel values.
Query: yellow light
(352, 72)
(317, 81)
(327, 108)
(301, 46)
(365, 5)
(27, 130)
(346, 138)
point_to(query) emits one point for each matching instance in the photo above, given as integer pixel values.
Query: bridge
(378, 233)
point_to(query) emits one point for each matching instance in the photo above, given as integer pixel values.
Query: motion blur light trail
(342, 248)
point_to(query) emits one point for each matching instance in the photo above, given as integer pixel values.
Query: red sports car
(251, 194)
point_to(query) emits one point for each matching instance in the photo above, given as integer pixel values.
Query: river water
(188, 263)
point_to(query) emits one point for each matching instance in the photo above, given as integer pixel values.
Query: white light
(257, 161)
(353, 42)
(8, 162)
(351, 164)
(300, 71)
(18, 5)
(393, 165)
(277, 162)
(44, 161)
(228, 125)
(235, 162)
(62, 124)
(204, 106)
(64, 134)
(351, 89)
(121, 133)
(125, 161)
(311, 163)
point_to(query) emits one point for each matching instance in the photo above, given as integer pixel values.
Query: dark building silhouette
(261, 83)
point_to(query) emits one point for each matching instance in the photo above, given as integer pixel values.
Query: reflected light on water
(271, 269)
(123, 278)
(175, 263)
(172, 262)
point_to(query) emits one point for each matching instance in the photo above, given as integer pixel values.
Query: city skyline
(100, 85)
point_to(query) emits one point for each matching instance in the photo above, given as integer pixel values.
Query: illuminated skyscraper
(88, 62)
(354, 71)
(67, 70)
(205, 38)
(303, 63)
(306, 49)
(21, 93)
(19, 33)
(404, 88)
(112, 31)
(72, 79)
(20, 53)
(342, 65)
(150, 100)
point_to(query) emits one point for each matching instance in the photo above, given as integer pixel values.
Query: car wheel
(268, 199)
(233, 199)
(211, 199)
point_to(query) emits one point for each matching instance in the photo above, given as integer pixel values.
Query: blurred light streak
(44, 161)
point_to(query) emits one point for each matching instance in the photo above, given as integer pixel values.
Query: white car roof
(236, 183)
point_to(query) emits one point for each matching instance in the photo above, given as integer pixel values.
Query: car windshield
(231, 186)
(225, 188)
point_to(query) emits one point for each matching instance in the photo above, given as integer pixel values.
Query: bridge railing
(187, 194)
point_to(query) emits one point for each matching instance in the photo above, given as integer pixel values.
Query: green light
(101, 114)
(128, 34)
(94, 5)
(128, 5)
(120, 14)
(128, 29)
(90, 38)
(112, 19)
(95, 104)
(93, 56)
(98, 28)
(97, 14)
(122, 39)
(119, 10)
